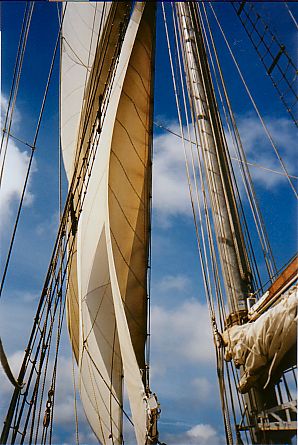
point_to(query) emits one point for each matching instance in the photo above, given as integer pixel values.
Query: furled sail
(113, 232)
(259, 346)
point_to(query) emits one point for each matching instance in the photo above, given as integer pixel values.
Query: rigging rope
(291, 15)
(75, 398)
(30, 159)
(231, 403)
(63, 249)
(213, 127)
(200, 241)
(246, 177)
(184, 149)
(6, 367)
(254, 104)
(227, 397)
(59, 122)
(15, 82)
(163, 126)
(273, 55)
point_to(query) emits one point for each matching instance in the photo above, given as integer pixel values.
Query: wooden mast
(232, 251)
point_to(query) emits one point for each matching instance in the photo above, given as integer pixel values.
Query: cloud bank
(14, 165)
(171, 196)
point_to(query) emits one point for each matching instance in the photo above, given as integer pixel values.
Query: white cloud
(14, 173)
(170, 186)
(170, 189)
(258, 149)
(201, 434)
(192, 341)
(16, 114)
(174, 283)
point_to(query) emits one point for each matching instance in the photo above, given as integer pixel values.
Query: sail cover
(112, 240)
(260, 346)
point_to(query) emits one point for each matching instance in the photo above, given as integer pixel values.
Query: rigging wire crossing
(30, 159)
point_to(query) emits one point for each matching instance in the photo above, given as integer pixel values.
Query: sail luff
(77, 57)
(129, 213)
(130, 183)
(108, 334)
(100, 369)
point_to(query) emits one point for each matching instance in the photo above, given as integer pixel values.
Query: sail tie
(7, 369)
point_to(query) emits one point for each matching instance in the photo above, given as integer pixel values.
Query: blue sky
(182, 356)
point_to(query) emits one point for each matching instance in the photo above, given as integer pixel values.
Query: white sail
(78, 50)
(83, 24)
(112, 244)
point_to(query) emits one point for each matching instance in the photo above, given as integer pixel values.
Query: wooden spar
(277, 289)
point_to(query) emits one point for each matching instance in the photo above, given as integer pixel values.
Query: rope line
(254, 104)
(15, 82)
(245, 174)
(163, 126)
(63, 247)
(291, 15)
(30, 161)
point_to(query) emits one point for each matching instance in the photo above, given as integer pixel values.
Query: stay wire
(30, 160)
(15, 83)
(46, 342)
(210, 233)
(107, 385)
(291, 15)
(249, 187)
(183, 140)
(46, 347)
(255, 105)
(35, 395)
(216, 130)
(247, 239)
(75, 398)
(15, 74)
(62, 306)
(163, 126)
(224, 402)
(59, 121)
(41, 355)
(74, 187)
(204, 262)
